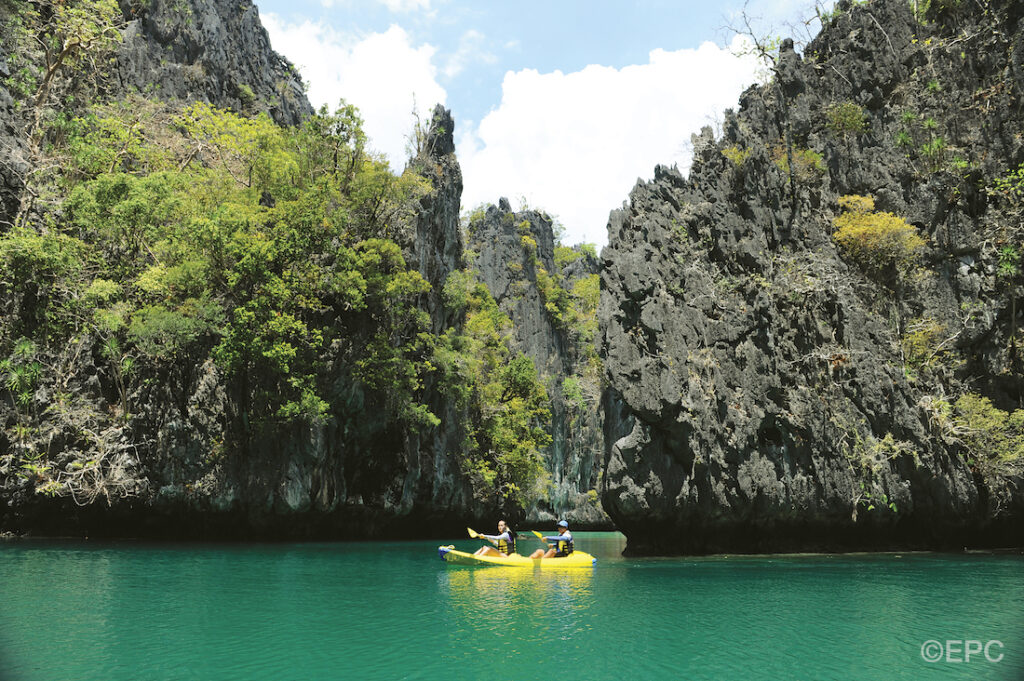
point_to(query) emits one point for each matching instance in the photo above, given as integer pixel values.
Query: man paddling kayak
(561, 545)
(505, 542)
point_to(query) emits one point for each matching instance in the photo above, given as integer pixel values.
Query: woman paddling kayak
(504, 542)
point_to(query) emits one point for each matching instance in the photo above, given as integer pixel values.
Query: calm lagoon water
(111, 611)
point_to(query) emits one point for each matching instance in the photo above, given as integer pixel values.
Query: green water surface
(83, 610)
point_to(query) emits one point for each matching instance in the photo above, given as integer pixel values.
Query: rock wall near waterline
(514, 254)
(772, 392)
(748, 382)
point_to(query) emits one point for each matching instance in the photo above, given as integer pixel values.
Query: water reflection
(505, 588)
(508, 611)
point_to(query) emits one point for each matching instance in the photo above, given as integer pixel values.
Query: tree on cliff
(60, 51)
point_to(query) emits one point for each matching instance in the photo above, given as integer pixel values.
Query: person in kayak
(505, 542)
(561, 545)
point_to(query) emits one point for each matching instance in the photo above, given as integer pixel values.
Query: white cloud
(571, 143)
(471, 48)
(405, 5)
(381, 73)
(574, 144)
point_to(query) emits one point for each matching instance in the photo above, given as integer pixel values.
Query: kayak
(576, 559)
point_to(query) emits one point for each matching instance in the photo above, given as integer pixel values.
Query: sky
(559, 105)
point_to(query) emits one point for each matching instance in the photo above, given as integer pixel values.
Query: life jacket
(564, 546)
(508, 547)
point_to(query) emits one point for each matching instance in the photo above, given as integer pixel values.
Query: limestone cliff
(173, 451)
(13, 151)
(207, 50)
(741, 380)
(515, 256)
(767, 391)
(165, 471)
(175, 51)
(161, 469)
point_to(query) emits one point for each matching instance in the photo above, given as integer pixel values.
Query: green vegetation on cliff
(204, 237)
(551, 291)
(504, 404)
(173, 262)
(881, 243)
(261, 258)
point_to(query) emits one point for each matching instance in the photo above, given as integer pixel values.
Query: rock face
(432, 486)
(758, 388)
(762, 395)
(215, 51)
(12, 151)
(355, 475)
(436, 247)
(512, 252)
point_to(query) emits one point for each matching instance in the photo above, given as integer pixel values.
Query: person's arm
(559, 537)
(496, 537)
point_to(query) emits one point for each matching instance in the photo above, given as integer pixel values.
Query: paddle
(541, 537)
(476, 535)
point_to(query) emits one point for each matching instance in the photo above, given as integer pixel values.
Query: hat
(562, 523)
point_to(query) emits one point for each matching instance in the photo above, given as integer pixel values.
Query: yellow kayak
(576, 559)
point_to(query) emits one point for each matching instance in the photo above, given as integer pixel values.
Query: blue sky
(560, 104)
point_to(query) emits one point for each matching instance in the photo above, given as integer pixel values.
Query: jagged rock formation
(215, 51)
(436, 247)
(354, 475)
(511, 250)
(759, 391)
(764, 391)
(12, 147)
(431, 482)
(185, 462)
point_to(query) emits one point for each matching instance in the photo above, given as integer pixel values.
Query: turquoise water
(77, 610)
